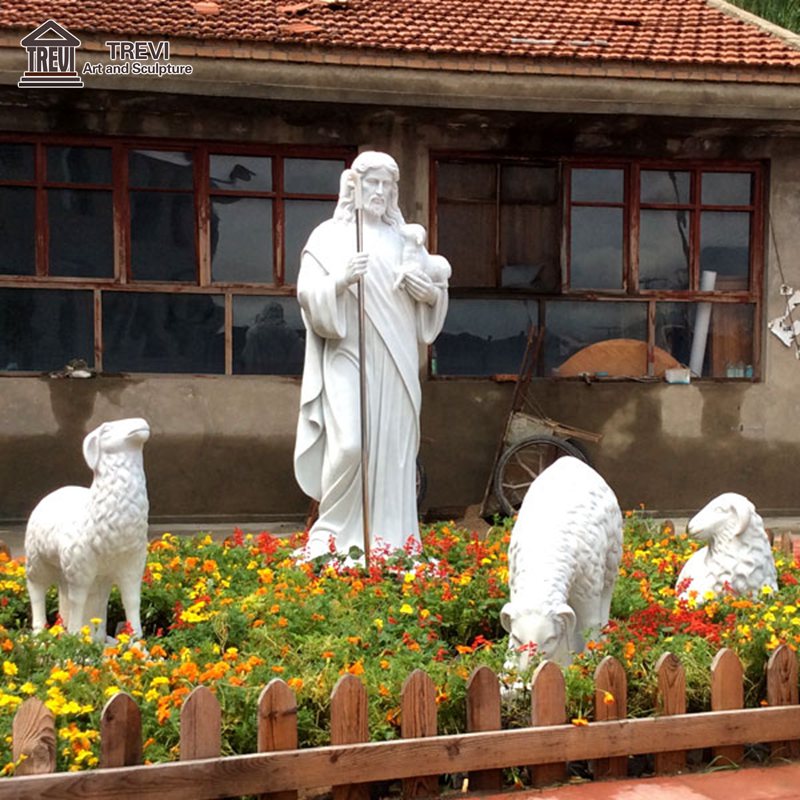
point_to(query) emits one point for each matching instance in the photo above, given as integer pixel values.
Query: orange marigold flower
(295, 683)
(277, 668)
(579, 721)
(327, 654)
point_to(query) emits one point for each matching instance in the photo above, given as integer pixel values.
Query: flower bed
(234, 615)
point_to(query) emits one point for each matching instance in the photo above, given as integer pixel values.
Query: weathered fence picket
(671, 700)
(5, 551)
(349, 725)
(418, 718)
(484, 714)
(279, 769)
(277, 726)
(727, 693)
(34, 737)
(548, 707)
(782, 691)
(201, 725)
(610, 702)
(120, 732)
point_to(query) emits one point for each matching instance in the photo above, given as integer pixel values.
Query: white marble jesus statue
(405, 304)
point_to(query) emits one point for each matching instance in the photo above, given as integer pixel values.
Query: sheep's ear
(91, 448)
(507, 616)
(744, 511)
(567, 617)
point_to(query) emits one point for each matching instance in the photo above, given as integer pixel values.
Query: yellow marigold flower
(159, 680)
(766, 591)
(378, 623)
(579, 721)
(709, 595)
(9, 668)
(406, 609)
(151, 695)
(27, 688)
(424, 613)
(111, 691)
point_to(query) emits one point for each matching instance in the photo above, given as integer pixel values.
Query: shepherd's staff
(362, 372)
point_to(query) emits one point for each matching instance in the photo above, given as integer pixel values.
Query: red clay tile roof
(653, 32)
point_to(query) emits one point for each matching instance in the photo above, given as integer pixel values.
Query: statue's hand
(356, 268)
(420, 287)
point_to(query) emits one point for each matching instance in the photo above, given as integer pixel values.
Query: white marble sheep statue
(737, 559)
(563, 561)
(87, 539)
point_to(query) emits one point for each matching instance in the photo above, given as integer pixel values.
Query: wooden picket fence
(279, 769)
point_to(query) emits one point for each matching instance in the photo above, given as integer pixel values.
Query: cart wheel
(521, 464)
(422, 483)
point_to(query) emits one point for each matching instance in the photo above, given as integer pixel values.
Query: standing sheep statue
(87, 539)
(563, 559)
(737, 559)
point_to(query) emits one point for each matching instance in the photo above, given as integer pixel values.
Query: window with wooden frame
(156, 257)
(631, 267)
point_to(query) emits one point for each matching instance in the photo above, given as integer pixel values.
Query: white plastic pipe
(707, 281)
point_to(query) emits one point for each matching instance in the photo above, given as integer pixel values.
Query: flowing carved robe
(328, 446)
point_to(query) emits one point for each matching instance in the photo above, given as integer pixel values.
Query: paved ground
(752, 783)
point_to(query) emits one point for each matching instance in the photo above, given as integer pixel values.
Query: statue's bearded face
(377, 186)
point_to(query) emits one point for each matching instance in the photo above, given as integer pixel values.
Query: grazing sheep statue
(563, 559)
(87, 539)
(738, 557)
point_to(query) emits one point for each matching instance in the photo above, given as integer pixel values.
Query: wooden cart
(531, 441)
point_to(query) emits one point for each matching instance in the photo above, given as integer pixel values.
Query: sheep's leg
(76, 607)
(97, 609)
(63, 603)
(130, 589)
(588, 614)
(37, 593)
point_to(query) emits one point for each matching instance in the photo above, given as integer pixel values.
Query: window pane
(596, 248)
(162, 237)
(662, 186)
(302, 216)
(164, 169)
(472, 256)
(484, 337)
(44, 329)
(664, 250)
(728, 349)
(529, 247)
(725, 248)
(16, 162)
(81, 233)
(466, 181)
(79, 165)
(268, 336)
(312, 175)
(159, 332)
(241, 239)
(521, 184)
(572, 326)
(241, 173)
(17, 231)
(598, 185)
(727, 188)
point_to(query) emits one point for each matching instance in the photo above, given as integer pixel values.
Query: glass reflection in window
(665, 187)
(301, 216)
(161, 332)
(240, 173)
(44, 329)
(572, 326)
(162, 237)
(17, 231)
(727, 188)
(241, 240)
(725, 248)
(160, 169)
(79, 165)
(484, 337)
(16, 162)
(596, 248)
(81, 232)
(598, 186)
(312, 175)
(664, 249)
(268, 336)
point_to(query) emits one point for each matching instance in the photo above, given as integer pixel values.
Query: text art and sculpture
(85, 540)
(738, 557)
(563, 560)
(405, 303)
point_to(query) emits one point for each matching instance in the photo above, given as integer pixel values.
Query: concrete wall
(221, 447)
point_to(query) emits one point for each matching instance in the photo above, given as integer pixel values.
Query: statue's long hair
(369, 159)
